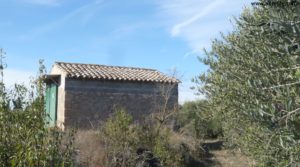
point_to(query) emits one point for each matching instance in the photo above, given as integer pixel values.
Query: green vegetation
(196, 119)
(25, 139)
(252, 103)
(253, 84)
(129, 144)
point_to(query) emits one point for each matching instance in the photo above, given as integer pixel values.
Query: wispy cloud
(199, 21)
(189, 54)
(82, 14)
(44, 2)
(205, 11)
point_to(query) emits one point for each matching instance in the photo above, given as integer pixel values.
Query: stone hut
(83, 95)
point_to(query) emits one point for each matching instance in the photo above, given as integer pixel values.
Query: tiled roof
(103, 72)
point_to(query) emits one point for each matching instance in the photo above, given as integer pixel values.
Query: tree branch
(290, 113)
(284, 69)
(279, 86)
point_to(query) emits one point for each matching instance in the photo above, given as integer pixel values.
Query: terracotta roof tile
(103, 72)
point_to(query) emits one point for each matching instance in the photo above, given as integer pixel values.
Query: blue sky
(159, 34)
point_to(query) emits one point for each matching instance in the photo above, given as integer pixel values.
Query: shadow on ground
(217, 156)
(209, 160)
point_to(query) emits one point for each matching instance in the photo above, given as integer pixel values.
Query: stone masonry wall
(88, 103)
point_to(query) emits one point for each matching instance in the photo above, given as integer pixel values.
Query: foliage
(253, 83)
(119, 140)
(197, 120)
(129, 144)
(25, 139)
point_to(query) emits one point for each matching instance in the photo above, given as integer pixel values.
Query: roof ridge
(138, 68)
(97, 71)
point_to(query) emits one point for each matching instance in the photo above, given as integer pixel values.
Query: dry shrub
(121, 143)
(123, 139)
(119, 136)
(177, 139)
(233, 158)
(90, 151)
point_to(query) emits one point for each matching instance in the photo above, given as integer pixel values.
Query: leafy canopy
(253, 82)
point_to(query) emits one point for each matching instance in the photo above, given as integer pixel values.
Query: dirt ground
(219, 157)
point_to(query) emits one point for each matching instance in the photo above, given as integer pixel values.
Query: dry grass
(176, 139)
(90, 151)
(229, 158)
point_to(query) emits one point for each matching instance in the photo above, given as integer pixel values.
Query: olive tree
(253, 82)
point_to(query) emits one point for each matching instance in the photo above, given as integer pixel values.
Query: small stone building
(83, 95)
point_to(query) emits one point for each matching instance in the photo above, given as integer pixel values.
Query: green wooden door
(51, 103)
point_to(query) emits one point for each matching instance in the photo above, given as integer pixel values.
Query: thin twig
(284, 69)
(279, 86)
(290, 113)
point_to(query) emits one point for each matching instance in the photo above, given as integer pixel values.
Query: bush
(129, 144)
(119, 139)
(89, 149)
(196, 119)
(253, 81)
(25, 139)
